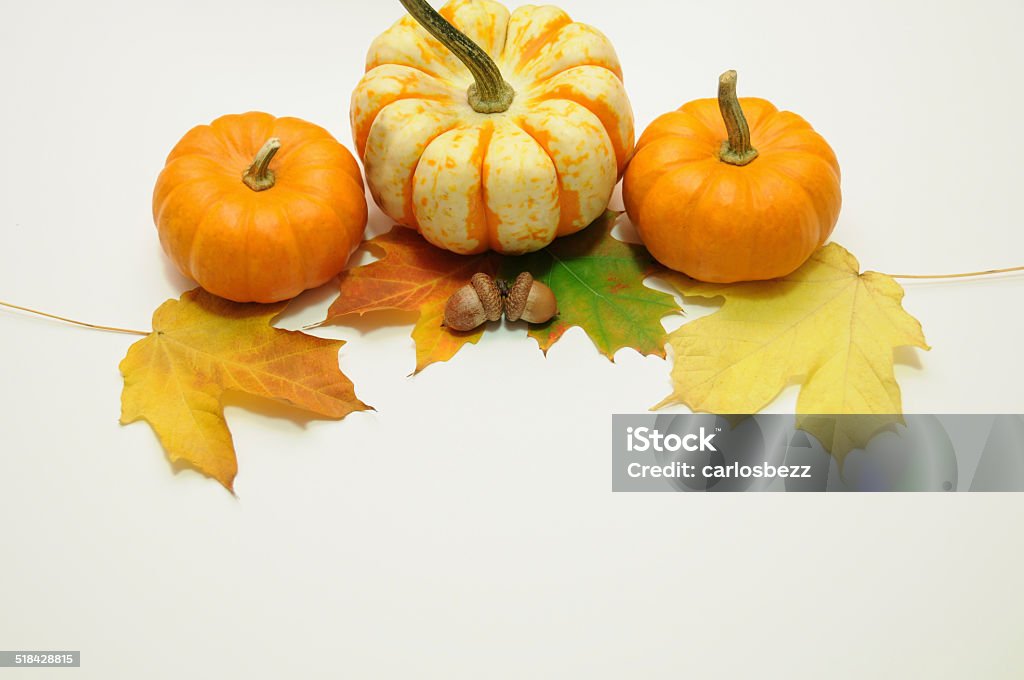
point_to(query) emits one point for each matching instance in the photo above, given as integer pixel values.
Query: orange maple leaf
(597, 279)
(201, 347)
(413, 276)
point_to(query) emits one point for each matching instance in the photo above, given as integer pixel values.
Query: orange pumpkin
(258, 209)
(732, 190)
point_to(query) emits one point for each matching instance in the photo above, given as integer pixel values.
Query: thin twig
(111, 329)
(986, 272)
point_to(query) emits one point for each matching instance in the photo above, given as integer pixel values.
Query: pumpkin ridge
(284, 156)
(785, 123)
(362, 120)
(812, 197)
(690, 205)
(606, 116)
(700, 131)
(209, 216)
(410, 203)
(318, 201)
(239, 147)
(246, 218)
(781, 156)
(763, 111)
(434, 76)
(491, 221)
(287, 225)
(159, 209)
(780, 146)
(669, 170)
(312, 191)
(541, 81)
(215, 166)
(175, 191)
(696, 202)
(749, 198)
(666, 165)
(536, 44)
(212, 202)
(323, 166)
(448, 11)
(706, 112)
(430, 51)
(257, 240)
(499, 53)
(522, 125)
(423, 77)
(295, 177)
(363, 139)
(287, 127)
(814, 146)
(557, 46)
(353, 242)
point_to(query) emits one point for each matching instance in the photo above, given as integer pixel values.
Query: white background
(466, 528)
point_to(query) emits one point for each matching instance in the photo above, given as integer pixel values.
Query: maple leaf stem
(965, 275)
(111, 329)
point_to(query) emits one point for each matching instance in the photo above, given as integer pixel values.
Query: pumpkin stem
(737, 149)
(490, 93)
(259, 176)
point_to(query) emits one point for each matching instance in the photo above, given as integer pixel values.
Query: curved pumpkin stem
(259, 176)
(737, 149)
(490, 93)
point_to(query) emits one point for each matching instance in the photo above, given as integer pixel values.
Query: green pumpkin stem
(259, 176)
(490, 93)
(737, 149)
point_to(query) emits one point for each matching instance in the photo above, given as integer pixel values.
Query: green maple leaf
(599, 283)
(597, 279)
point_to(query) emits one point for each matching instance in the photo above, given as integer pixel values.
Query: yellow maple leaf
(203, 346)
(826, 325)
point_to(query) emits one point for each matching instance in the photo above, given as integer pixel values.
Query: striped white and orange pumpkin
(467, 174)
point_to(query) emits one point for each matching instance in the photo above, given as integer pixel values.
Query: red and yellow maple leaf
(597, 279)
(201, 347)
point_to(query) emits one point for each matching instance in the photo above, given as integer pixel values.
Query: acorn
(473, 304)
(530, 300)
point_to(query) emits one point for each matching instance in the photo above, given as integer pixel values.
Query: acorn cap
(518, 294)
(490, 297)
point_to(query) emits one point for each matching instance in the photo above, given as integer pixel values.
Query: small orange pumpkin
(258, 209)
(721, 200)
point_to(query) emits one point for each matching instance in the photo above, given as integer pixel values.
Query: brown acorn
(530, 300)
(473, 304)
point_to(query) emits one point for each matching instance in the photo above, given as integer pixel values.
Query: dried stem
(112, 329)
(966, 275)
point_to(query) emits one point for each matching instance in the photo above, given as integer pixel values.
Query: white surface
(466, 529)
